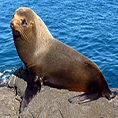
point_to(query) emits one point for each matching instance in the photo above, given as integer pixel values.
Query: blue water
(90, 27)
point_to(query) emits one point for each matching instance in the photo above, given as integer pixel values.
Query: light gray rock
(9, 106)
(53, 103)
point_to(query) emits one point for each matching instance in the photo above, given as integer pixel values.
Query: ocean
(90, 27)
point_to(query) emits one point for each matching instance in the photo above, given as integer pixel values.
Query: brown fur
(53, 63)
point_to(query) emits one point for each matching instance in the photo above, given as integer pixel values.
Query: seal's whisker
(23, 34)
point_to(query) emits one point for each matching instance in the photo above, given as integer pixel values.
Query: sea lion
(51, 62)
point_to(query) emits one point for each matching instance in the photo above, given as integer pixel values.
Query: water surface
(90, 27)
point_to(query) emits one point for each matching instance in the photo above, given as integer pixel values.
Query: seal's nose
(12, 24)
(15, 23)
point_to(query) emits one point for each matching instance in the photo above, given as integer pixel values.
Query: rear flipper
(114, 92)
(83, 98)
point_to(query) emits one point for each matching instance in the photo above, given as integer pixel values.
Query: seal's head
(29, 33)
(26, 24)
(22, 23)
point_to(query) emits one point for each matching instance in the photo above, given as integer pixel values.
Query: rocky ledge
(50, 102)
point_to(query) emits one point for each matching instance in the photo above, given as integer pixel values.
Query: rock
(9, 106)
(53, 103)
(18, 81)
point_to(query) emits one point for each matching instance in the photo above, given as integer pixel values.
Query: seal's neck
(32, 46)
(42, 29)
(25, 50)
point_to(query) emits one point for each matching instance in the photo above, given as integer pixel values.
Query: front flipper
(83, 98)
(32, 88)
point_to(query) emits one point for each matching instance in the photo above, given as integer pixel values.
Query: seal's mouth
(16, 33)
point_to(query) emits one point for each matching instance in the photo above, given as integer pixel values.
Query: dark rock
(53, 103)
(18, 81)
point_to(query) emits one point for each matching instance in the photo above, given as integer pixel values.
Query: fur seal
(51, 62)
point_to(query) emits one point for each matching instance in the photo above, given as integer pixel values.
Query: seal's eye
(24, 22)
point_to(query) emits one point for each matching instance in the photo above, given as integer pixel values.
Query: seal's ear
(31, 23)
